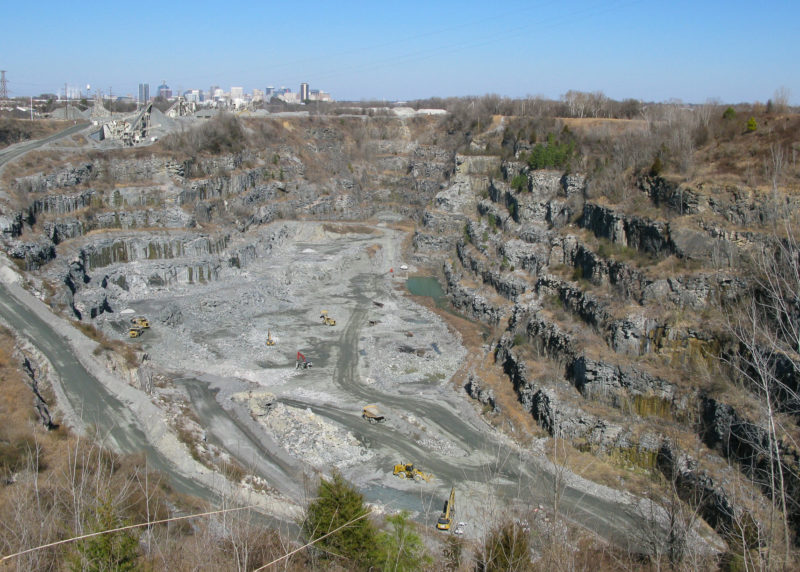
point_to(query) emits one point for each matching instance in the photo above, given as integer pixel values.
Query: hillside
(621, 308)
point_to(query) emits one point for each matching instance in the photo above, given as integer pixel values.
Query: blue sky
(655, 51)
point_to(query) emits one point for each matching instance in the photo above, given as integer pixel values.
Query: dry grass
(599, 468)
(31, 163)
(596, 126)
(737, 157)
(349, 229)
(18, 130)
(107, 345)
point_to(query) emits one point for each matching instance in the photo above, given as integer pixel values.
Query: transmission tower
(3, 85)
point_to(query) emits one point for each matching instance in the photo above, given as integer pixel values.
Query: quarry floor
(291, 424)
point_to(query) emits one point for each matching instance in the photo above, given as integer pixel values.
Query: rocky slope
(630, 312)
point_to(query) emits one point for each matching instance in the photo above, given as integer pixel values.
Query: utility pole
(31, 108)
(66, 98)
(3, 85)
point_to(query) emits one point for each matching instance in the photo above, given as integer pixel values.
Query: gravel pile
(307, 436)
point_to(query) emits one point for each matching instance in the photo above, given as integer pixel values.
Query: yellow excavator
(448, 513)
(135, 332)
(270, 341)
(328, 321)
(407, 471)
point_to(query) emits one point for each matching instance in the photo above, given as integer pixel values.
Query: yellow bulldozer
(407, 471)
(135, 332)
(327, 320)
(140, 322)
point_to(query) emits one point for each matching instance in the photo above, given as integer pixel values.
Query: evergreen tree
(116, 551)
(339, 503)
(551, 154)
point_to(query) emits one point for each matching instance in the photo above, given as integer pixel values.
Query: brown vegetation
(18, 130)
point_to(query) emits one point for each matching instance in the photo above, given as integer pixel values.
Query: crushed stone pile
(307, 436)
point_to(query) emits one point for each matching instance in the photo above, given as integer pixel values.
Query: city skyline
(144, 92)
(638, 49)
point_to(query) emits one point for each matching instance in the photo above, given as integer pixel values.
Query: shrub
(401, 549)
(551, 154)
(507, 548)
(751, 124)
(222, 134)
(453, 553)
(729, 113)
(519, 182)
(656, 167)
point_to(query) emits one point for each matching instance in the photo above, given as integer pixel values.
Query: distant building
(144, 93)
(319, 95)
(258, 95)
(164, 90)
(269, 92)
(237, 93)
(193, 95)
(290, 97)
(303, 92)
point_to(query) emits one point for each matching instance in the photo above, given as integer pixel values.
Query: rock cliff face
(631, 231)
(738, 205)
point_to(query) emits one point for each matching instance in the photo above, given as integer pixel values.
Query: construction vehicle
(448, 513)
(327, 320)
(302, 362)
(140, 321)
(372, 414)
(270, 341)
(407, 471)
(135, 331)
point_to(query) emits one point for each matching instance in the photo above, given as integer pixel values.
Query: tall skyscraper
(144, 93)
(303, 92)
(164, 90)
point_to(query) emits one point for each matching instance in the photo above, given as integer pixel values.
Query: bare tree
(780, 99)
(774, 165)
(767, 330)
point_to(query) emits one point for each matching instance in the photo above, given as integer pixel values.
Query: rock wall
(469, 300)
